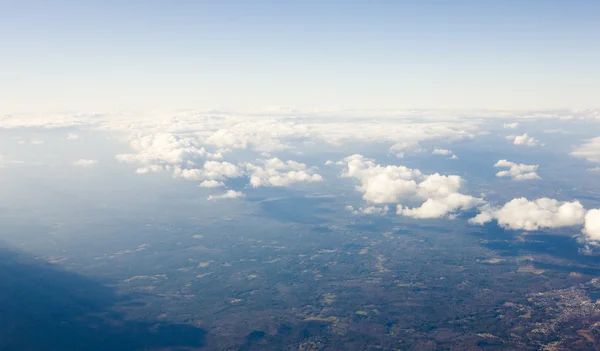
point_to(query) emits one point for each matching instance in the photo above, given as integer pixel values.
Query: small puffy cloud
(369, 210)
(229, 194)
(592, 225)
(85, 163)
(72, 136)
(275, 172)
(520, 213)
(524, 139)
(517, 171)
(36, 142)
(438, 195)
(328, 163)
(590, 150)
(511, 125)
(211, 184)
(454, 157)
(442, 152)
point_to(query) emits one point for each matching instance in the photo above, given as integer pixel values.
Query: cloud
(520, 213)
(85, 163)
(511, 125)
(524, 139)
(443, 152)
(517, 171)
(556, 131)
(595, 169)
(592, 225)
(72, 136)
(229, 194)
(437, 194)
(167, 152)
(369, 210)
(36, 142)
(211, 184)
(590, 150)
(275, 172)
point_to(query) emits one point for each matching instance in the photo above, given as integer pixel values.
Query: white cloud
(524, 139)
(521, 213)
(328, 163)
(443, 152)
(595, 169)
(36, 142)
(517, 171)
(511, 125)
(230, 194)
(85, 163)
(211, 184)
(437, 194)
(454, 157)
(590, 150)
(556, 131)
(275, 172)
(592, 225)
(72, 136)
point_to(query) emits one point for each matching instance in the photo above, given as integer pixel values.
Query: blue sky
(348, 54)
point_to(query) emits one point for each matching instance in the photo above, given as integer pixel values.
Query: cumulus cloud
(72, 136)
(517, 171)
(443, 152)
(211, 184)
(520, 213)
(438, 195)
(85, 163)
(229, 194)
(524, 139)
(275, 172)
(592, 225)
(590, 150)
(511, 125)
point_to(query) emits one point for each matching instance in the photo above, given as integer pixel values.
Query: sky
(236, 55)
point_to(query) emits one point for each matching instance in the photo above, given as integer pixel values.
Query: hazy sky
(108, 55)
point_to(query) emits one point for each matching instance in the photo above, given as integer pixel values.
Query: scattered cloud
(511, 125)
(275, 172)
(212, 184)
(517, 171)
(443, 152)
(520, 213)
(72, 136)
(592, 225)
(85, 163)
(590, 150)
(437, 194)
(524, 139)
(369, 210)
(229, 194)
(556, 131)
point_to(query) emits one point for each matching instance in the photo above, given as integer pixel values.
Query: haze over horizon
(89, 56)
